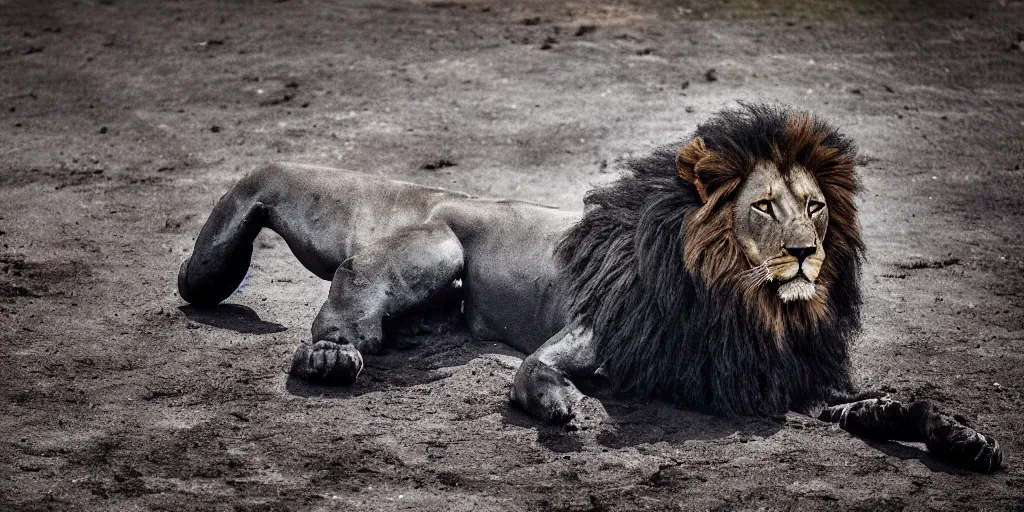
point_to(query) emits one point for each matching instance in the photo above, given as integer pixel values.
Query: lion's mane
(653, 271)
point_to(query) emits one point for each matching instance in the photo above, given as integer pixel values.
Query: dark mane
(663, 329)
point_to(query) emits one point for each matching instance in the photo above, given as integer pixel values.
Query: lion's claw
(326, 362)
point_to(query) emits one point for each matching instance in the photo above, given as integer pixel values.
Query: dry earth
(121, 122)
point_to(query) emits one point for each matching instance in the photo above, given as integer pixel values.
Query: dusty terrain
(121, 122)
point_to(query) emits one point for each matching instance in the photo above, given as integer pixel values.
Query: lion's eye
(764, 206)
(815, 207)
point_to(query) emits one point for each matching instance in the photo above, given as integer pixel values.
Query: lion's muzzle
(797, 270)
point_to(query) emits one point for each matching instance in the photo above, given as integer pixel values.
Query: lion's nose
(800, 253)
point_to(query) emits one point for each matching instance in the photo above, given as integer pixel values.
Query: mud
(122, 122)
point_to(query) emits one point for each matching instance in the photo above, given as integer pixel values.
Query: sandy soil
(121, 122)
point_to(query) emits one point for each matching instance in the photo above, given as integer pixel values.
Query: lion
(720, 274)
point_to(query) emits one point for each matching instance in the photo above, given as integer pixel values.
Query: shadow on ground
(235, 317)
(406, 361)
(619, 421)
(905, 451)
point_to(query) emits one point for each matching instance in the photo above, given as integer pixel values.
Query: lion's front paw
(545, 393)
(326, 362)
(957, 442)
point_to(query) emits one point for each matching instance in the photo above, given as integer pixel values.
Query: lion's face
(779, 223)
(771, 183)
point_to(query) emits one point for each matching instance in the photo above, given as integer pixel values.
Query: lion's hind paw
(328, 363)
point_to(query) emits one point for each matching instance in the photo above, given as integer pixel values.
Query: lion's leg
(439, 315)
(947, 436)
(386, 278)
(542, 386)
(223, 250)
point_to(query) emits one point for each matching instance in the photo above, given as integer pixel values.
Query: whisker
(754, 277)
(754, 273)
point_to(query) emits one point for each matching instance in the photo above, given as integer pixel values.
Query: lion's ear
(686, 164)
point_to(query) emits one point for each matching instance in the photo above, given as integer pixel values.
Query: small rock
(274, 99)
(215, 129)
(1018, 45)
(103, 129)
(685, 85)
(584, 30)
(711, 75)
(440, 163)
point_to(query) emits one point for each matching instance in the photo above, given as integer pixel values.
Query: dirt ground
(121, 122)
